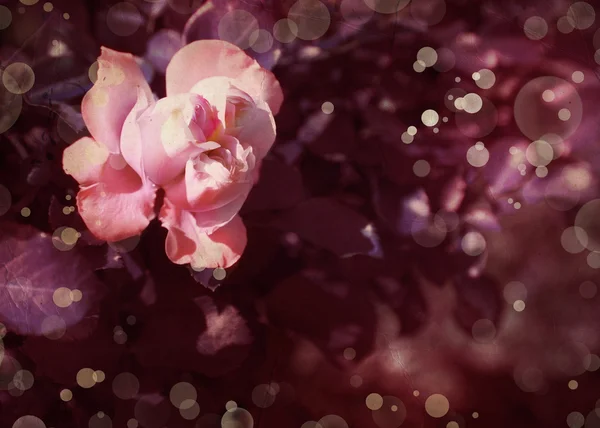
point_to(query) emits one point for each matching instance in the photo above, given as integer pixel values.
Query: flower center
(223, 156)
(227, 162)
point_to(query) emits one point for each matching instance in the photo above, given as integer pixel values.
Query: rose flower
(202, 143)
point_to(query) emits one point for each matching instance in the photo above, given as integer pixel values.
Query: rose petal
(258, 125)
(256, 171)
(117, 207)
(131, 137)
(208, 58)
(214, 90)
(219, 217)
(170, 136)
(188, 243)
(258, 130)
(202, 193)
(84, 160)
(107, 104)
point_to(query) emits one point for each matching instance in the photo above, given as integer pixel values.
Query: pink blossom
(114, 202)
(202, 143)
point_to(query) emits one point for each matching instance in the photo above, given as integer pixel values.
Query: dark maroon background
(330, 263)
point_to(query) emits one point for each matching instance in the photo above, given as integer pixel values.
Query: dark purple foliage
(378, 261)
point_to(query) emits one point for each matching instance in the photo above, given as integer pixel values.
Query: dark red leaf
(203, 335)
(329, 225)
(341, 314)
(33, 269)
(280, 187)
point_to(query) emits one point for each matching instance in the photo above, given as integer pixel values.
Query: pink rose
(113, 200)
(202, 144)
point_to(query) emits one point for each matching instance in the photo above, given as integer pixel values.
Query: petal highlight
(175, 130)
(201, 192)
(131, 136)
(253, 126)
(84, 160)
(107, 104)
(210, 58)
(188, 243)
(117, 207)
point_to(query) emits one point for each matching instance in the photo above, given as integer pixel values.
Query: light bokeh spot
(312, 19)
(437, 406)
(535, 28)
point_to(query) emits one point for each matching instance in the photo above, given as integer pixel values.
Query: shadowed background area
(423, 243)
